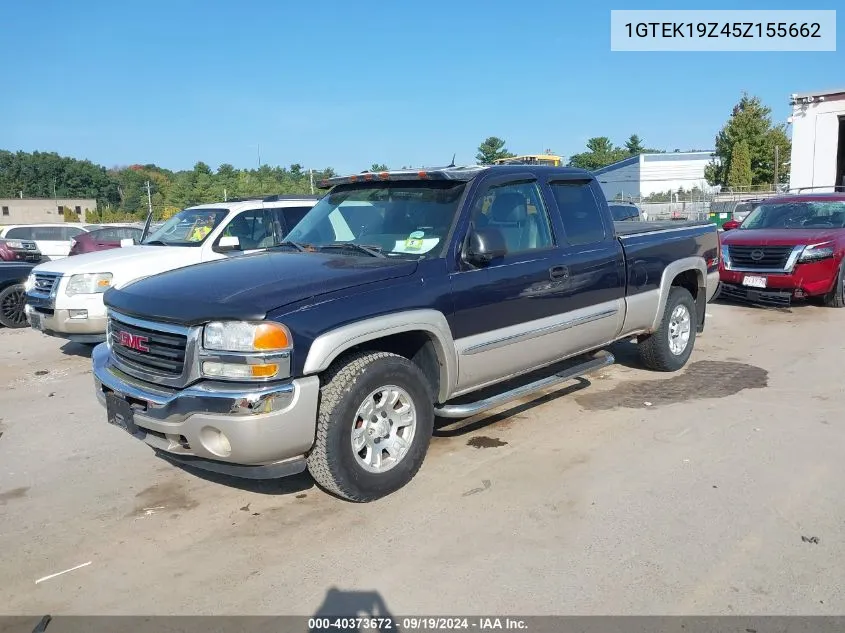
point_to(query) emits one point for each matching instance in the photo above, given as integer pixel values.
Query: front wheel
(12, 300)
(374, 424)
(670, 346)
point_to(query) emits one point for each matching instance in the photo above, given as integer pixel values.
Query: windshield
(797, 215)
(400, 219)
(189, 227)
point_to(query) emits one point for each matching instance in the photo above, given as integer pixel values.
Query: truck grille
(759, 257)
(45, 283)
(147, 349)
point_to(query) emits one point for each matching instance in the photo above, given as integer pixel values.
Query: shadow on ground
(83, 350)
(354, 604)
(275, 487)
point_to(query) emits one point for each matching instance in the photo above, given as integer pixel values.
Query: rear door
(593, 261)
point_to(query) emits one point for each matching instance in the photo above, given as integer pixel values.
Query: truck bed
(626, 229)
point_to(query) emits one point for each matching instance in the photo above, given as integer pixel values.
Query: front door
(503, 310)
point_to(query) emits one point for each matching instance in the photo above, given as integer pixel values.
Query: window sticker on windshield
(416, 244)
(415, 241)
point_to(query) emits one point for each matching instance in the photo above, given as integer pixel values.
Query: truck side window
(517, 210)
(582, 219)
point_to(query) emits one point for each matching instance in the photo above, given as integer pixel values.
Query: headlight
(14, 243)
(29, 284)
(726, 257)
(815, 252)
(239, 336)
(88, 284)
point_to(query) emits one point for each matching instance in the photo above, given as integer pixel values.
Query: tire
(836, 297)
(351, 382)
(656, 351)
(12, 300)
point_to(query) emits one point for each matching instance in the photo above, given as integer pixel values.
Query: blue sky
(347, 84)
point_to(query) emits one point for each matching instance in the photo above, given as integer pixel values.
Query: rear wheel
(12, 300)
(670, 346)
(374, 424)
(836, 297)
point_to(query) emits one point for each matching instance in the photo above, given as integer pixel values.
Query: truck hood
(248, 287)
(779, 237)
(125, 264)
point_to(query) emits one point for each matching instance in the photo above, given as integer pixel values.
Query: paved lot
(637, 494)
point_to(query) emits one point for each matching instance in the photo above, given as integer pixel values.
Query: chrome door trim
(534, 333)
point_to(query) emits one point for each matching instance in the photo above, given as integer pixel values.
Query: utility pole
(776, 167)
(225, 196)
(259, 156)
(311, 175)
(149, 199)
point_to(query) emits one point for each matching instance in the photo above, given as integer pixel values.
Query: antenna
(452, 164)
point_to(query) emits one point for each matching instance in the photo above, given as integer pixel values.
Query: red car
(103, 239)
(789, 247)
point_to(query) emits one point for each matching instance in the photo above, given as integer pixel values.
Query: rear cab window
(580, 213)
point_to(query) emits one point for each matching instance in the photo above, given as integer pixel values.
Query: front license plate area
(753, 281)
(35, 321)
(120, 413)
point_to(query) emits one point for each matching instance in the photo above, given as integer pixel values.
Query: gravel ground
(713, 491)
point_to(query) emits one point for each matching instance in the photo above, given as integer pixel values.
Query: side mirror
(127, 241)
(731, 224)
(485, 245)
(228, 243)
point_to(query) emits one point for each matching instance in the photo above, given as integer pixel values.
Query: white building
(818, 140)
(646, 174)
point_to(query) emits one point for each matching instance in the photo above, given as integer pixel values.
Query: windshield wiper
(154, 242)
(302, 248)
(372, 251)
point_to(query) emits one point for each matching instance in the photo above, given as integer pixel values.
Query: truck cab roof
(463, 173)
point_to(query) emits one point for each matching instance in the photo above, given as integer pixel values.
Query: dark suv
(624, 211)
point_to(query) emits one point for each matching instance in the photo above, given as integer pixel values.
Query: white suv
(64, 298)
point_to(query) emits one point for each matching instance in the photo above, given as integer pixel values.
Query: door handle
(559, 272)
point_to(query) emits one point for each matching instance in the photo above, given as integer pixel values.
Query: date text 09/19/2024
(417, 623)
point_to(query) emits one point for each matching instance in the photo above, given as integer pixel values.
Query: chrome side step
(600, 360)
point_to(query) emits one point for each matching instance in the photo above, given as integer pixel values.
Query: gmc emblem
(133, 341)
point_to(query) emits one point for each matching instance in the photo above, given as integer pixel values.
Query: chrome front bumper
(253, 431)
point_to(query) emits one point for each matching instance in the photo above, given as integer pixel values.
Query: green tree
(491, 150)
(751, 121)
(634, 145)
(601, 153)
(739, 170)
(379, 167)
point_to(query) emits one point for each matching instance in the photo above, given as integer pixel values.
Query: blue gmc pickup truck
(401, 296)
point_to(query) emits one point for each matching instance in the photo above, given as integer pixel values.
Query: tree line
(121, 192)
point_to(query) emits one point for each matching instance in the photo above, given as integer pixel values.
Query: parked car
(65, 298)
(53, 240)
(625, 211)
(19, 251)
(789, 247)
(104, 238)
(391, 302)
(12, 297)
(740, 212)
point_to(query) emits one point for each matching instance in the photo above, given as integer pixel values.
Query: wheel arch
(689, 273)
(400, 333)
